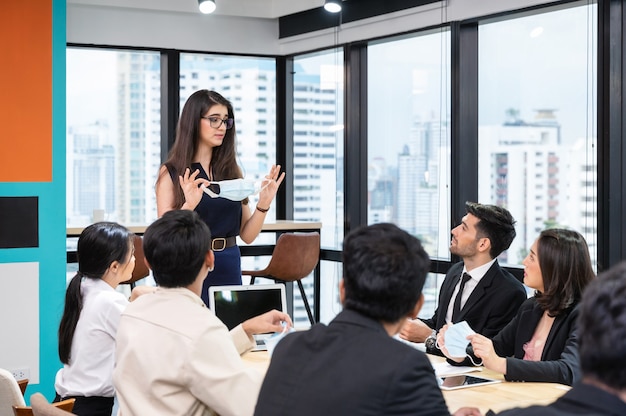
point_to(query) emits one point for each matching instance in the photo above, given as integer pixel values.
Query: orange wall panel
(26, 91)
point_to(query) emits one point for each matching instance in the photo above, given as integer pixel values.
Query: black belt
(221, 243)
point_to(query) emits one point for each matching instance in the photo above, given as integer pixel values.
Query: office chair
(23, 384)
(41, 407)
(10, 394)
(141, 270)
(294, 258)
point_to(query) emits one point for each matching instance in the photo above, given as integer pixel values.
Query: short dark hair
(565, 267)
(602, 328)
(384, 270)
(495, 223)
(175, 246)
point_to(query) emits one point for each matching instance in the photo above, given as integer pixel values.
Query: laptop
(236, 303)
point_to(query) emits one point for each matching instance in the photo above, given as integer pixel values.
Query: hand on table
(467, 411)
(271, 321)
(415, 330)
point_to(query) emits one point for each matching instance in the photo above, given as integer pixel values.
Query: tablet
(462, 381)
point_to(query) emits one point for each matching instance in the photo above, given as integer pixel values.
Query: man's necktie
(456, 308)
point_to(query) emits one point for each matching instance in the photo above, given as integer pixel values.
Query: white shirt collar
(480, 271)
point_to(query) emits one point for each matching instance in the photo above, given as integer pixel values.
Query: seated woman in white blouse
(91, 316)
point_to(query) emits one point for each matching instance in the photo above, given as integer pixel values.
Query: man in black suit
(602, 348)
(490, 296)
(353, 366)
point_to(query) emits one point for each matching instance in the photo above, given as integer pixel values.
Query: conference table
(495, 397)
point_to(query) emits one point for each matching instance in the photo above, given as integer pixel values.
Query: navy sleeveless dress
(223, 217)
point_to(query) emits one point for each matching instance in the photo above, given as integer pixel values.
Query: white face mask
(235, 189)
(271, 342)
(456, 339)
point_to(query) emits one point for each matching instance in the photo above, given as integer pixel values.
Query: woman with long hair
(202, 174)
(91, 315)
(540, 343)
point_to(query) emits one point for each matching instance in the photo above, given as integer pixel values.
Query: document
(444, 369)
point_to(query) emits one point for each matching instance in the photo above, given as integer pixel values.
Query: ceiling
(269, 9)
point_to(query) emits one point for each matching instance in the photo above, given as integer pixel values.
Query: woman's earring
(211, 269)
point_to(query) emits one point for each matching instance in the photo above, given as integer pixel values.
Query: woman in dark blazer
(540, 343)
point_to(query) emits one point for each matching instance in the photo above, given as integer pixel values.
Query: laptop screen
(234, 304)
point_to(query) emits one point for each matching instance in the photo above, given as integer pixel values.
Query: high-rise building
(91, 158)
(138, 138)
(521, 170)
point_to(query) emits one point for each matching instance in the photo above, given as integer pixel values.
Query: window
(318, 107)
(113, 135)
(539, 122)
(318, 189)
(408, 136)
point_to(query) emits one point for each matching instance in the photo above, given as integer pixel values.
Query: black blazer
(491, 305)
(583, 399)
(559, 360)
(350, 367)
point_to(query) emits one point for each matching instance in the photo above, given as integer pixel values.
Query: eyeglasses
(216, 122)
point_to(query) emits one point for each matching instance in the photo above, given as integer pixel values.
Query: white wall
(19, 326)
(183, 31)
(213, 33)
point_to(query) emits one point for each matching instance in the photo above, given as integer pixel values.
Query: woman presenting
(201, 174)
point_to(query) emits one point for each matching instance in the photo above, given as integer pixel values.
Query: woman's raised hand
(190, 184)
(272, 181)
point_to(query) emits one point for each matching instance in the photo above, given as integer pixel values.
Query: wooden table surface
(496, 397)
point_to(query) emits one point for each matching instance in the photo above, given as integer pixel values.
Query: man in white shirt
(174, 356)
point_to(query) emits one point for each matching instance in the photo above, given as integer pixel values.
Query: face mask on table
(235, 189)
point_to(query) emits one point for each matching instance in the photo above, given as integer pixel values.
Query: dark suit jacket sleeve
(560, 358)
(505, 303)
(415, 390)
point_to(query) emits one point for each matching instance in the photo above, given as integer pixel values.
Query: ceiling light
(333, 6)
(206, 6)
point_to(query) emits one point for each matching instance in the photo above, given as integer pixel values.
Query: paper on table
(443, 369)
(417, 345)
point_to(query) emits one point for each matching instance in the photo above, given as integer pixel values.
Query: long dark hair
(223, 159)
(565, 268)
(99, 245)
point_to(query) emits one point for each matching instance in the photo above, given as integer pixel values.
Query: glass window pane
(408, 137)
(318, 143)
(317, 160)
(537, 117)
(113, 135)
(431, 290)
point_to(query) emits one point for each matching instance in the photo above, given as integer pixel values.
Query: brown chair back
(141, 269)
(40, 407)
(23, 384)
(294, 257)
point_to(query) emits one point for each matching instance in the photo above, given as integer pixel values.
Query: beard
(467, 250)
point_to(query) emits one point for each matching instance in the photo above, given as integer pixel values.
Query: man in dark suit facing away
(490, 296)
(353, 366)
